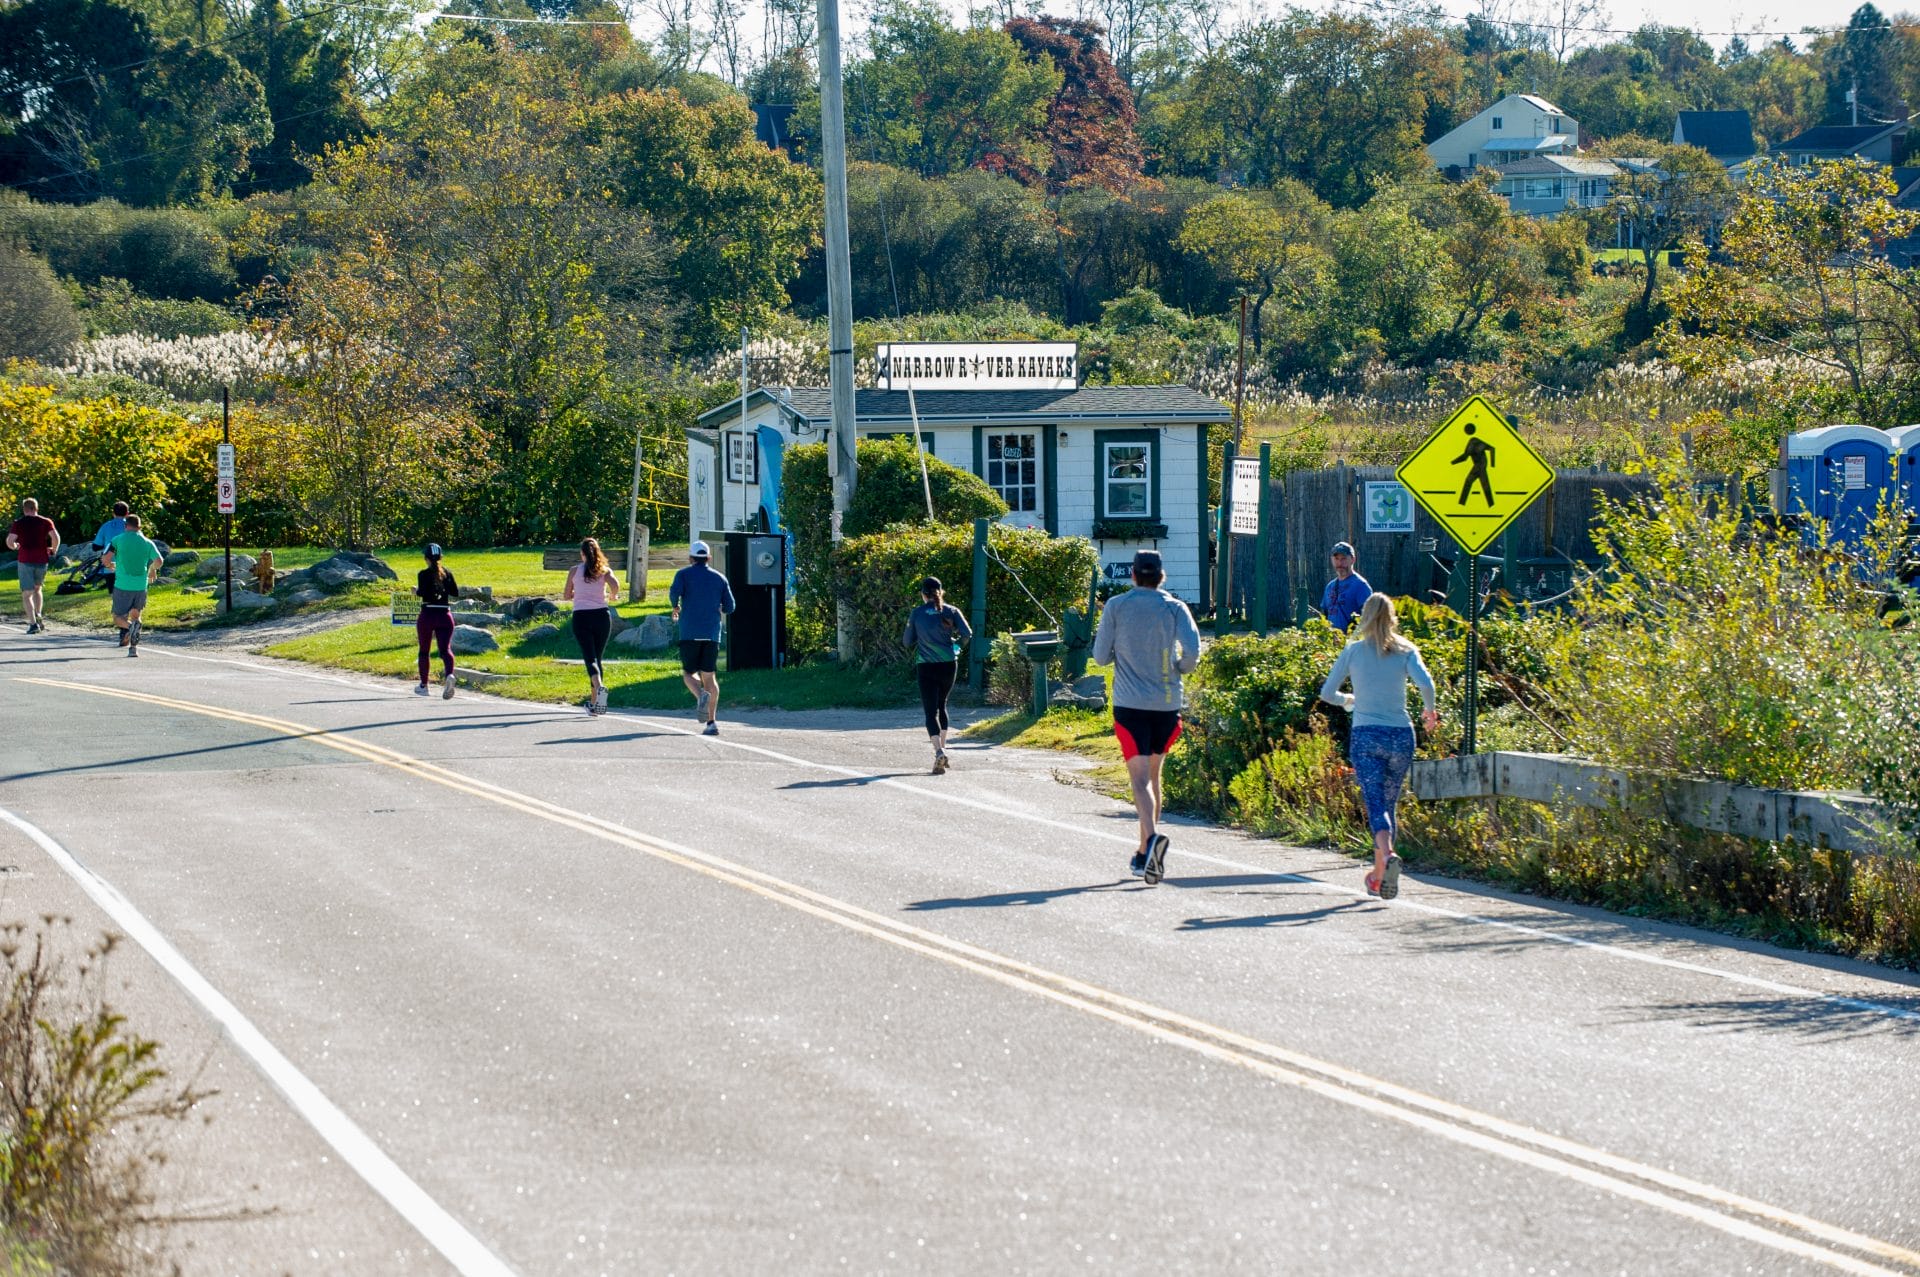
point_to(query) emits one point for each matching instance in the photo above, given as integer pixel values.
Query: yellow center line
(1691, 1199)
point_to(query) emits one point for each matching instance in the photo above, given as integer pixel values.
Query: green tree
(306, 75)
(1335, 101)
(1667, 195)
(1803, 272)
(93, 103)
(1493, 259)
(1267, 243)
(735, 218)
(938, 100)
(37, 319)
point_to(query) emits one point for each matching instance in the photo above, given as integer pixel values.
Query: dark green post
(1260, 542)
(1223, 562)
(1470, 724)
(977, 650)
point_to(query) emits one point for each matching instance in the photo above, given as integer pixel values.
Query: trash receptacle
(757, 571)
(1837, 476)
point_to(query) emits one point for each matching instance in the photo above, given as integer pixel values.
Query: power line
(1433, 10)
(183, 46)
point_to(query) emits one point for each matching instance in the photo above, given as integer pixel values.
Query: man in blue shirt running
(700, 597)
(1344, 595)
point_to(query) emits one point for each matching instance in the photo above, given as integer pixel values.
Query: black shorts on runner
(699, 656)
(1145, 731)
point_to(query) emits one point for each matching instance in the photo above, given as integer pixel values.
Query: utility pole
(842, 456)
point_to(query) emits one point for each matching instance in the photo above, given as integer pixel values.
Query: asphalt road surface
(496, 988)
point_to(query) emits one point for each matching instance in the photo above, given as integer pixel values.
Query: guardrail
(1843, 822)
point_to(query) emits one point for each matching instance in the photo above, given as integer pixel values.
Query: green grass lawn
(1086, 732)
(512, 571)
(549, 670)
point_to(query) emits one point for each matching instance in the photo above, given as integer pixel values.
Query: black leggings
(591, 629)
(434, 626)
(936, 681)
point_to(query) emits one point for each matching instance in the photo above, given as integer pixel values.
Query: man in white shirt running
(1149, 638)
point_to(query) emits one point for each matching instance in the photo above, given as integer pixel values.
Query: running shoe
(133, 634)
(446, 688)
(132, 651)
(1138, 864)
(123, 638)
(940, 763)
(421, 690)
(713, 729)
(1156, 860)
(34, 628)
(1390, 877)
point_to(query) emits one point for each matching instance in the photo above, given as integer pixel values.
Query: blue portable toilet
(1838, 475)
(1906, 468)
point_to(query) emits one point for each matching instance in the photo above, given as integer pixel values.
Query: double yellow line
(1742, 1217)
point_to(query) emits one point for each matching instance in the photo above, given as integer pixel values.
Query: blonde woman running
(1380, 662)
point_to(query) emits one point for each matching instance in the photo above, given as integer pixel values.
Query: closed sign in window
(1128, 476)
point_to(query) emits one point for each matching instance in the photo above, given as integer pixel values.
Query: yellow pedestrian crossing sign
(1475, 474)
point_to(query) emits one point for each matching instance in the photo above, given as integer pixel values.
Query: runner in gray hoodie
(1149, 638)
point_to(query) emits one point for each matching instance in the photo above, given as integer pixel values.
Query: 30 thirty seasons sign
(967, 365)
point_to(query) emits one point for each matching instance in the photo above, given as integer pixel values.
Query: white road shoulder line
(446, 1234)
(1458, 915)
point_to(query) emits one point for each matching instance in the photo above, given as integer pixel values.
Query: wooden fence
(1311, 509)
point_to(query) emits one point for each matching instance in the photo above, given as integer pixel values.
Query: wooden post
(1261, 541)
(977, 650)
(1223, 565)
(637, 559)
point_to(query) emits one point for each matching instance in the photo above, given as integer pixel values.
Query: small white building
(1125, 466)
(1516, 127)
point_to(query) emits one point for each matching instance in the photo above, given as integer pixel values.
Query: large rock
(242, 599)
(545, 607)
(617, 624)
(540, 632)
(655, 633)
(180, 559)
(335, 575)
(485, 620)
(367, 562)
(215, 566)
(471, 640)
(1089, 692)
(305, 595)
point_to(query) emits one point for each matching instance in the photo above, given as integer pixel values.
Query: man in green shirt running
(135, 561)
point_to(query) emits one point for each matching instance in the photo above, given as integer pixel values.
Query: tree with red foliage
(1089, 133)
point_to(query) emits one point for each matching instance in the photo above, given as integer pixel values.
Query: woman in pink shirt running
(593, 588)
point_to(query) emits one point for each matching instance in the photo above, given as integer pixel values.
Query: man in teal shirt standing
(134, 561)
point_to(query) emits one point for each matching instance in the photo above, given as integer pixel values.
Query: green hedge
(880, 574)
(888, 492)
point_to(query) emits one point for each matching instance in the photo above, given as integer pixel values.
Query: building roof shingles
(1725, 135)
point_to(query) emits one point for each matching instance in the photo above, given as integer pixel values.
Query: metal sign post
(224, 483)
(1265, 472)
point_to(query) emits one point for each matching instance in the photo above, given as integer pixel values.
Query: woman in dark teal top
(936, 632)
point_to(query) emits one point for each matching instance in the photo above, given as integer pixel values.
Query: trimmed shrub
(880, 574)
(888, 492)
(160, 252)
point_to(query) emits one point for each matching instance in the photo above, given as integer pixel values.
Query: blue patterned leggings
(1380, 758)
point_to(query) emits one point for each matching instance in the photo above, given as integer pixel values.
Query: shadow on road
(607, 740)
(845, 781)
(1818, 1018)
(1036, 897)
(1304, 917)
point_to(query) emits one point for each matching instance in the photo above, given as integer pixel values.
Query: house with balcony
(1548, 185)
(1517, 127)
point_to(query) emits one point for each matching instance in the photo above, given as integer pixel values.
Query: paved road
(508, 989)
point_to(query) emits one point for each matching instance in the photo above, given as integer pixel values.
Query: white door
(1014, 470)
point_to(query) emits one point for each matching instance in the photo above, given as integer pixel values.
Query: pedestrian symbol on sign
(1479, 456)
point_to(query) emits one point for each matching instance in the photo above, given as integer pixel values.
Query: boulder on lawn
(545, 607)
(539, 632)
(65, 557)
(367, 562)
(617, 624)
(298, 579)
(519, 610)
(337, 573)
(215, 566)
(1089, 692)
(471, 640)
(242, 599)
(180, 559)
(657, 632)
(304, 595)
(485, 620)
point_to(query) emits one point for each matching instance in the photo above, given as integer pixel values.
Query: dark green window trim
(1101, 438)
(1203, 524)
(1049, 466)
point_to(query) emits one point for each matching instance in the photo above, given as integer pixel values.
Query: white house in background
(1547, 185)
(1123, 465)
(1516, 127)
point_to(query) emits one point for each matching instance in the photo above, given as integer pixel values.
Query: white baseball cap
(698, 550)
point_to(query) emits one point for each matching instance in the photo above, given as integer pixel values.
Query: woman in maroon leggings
(437, 592)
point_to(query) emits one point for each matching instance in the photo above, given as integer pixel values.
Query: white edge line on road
(1458, 915)
(446, 1234)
